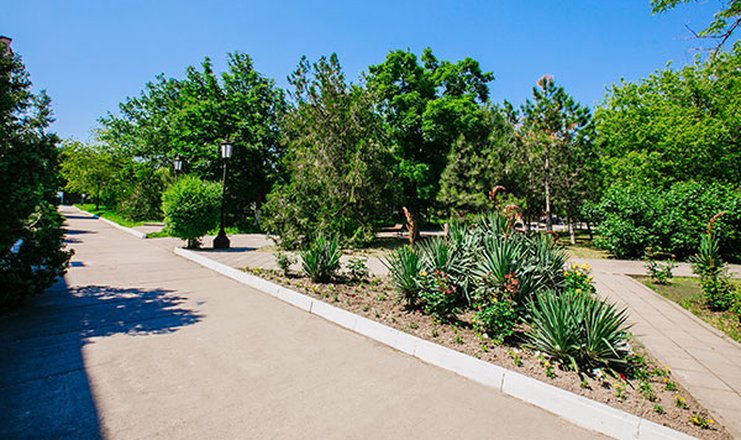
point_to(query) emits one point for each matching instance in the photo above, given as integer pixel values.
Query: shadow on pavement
(79, 217)
(227, 251)
(44, 387)
(77, 232)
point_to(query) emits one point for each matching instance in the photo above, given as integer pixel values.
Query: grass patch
(686, 292)
(112, 215)
(583, 247)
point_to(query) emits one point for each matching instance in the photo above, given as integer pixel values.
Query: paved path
(138, 343)
(704, 360)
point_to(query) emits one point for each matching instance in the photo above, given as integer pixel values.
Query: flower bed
(650, 392)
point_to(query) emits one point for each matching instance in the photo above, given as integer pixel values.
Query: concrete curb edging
(576, 409)
(134, 232)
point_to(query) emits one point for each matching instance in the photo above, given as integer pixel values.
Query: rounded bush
(191, 207)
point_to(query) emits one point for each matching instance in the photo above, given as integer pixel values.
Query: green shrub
(632, 218)
(191, 207)
(357, 268)
(660, 272)
(142, 199)
(284, 262)
(707, 264)
(497, 320)
(579, 329)
(578, 279)
(438, 294)
(404, 266)
(37, 259)
(321, 260)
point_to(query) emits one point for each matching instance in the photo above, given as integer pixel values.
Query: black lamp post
(222, 241)
(177, 164)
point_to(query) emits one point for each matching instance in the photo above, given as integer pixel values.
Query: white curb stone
(340, 317)
(401, 341)
(134, 232)
(295, 299)
(576, 409)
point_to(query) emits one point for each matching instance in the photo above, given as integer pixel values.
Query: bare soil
(375, 299)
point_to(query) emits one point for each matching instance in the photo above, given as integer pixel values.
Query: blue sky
(91, 55)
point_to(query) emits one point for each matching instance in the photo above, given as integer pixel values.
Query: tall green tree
(427, 105)
(555, 136)
(477, 163)
(90, 169)
(674, 125)
(31, 237)
(193, 115)
(337, 161)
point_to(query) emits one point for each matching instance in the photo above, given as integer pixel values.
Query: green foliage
(452, 261)
(517, 266)
(707, 263)
(675, 125)
(556, 162)
(357, 268)
(426, 106)
(191, 207)
(142, 198)
(92, 170)
(31, 236)
(660, 272)
(338, 166)
(39, 259)
(438, 294)
(284, 262)
(634, 217)
(404, 266)
(476, 162)
(190, 116)
(321, 260)
(497, 320)
(578, 329)
(578, 279)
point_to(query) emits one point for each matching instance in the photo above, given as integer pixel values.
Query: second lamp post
(222, 241)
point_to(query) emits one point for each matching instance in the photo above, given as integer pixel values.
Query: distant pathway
(704, 360)
(137, 343)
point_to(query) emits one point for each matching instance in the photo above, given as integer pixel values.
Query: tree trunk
(589, 229)
(547, 172)
(572, 234)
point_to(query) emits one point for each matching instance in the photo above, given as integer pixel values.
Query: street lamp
(177, 164)
(222, 241)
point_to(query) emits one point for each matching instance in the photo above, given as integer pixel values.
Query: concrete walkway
(137, 343)
(704, 360)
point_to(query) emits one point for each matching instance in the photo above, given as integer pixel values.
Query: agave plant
(493, 223)
(322, 260)
(579, 329)
(456, 260)
(404, 266)
(500, 260)
(707, 261)
(546, 262)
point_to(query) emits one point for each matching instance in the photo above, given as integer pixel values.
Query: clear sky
(91, 55)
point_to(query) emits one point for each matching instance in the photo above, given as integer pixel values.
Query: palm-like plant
(322, 260)
(579, 329)
(404, 266)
